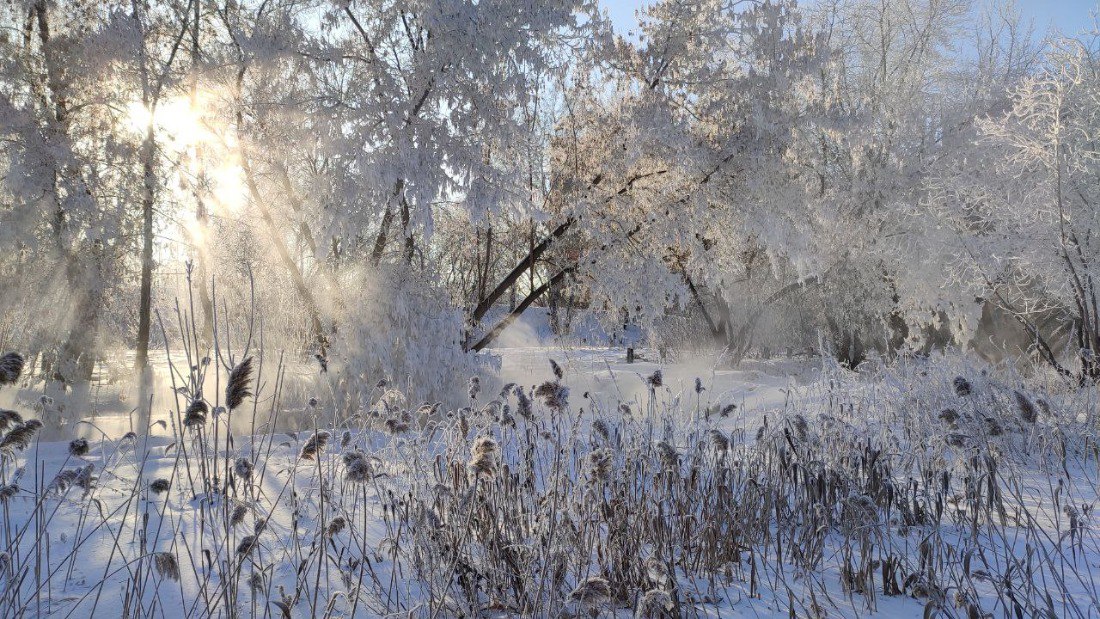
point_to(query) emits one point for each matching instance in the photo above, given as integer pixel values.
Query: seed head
(314, 445)
(256, 582)
(11, 367)
(993, 426)
(962, 387)
(670, 458)
(949, 416)
(9, 419)
(485, 446)
(600, 464)
(196, 413)
(335, 526)
(8, 491)
(601, 429)
(78, 447)
(523, 403)
(482, 465)
(592, 593)
(657, 572)
(238, 515)
(243, 468)
(19, 437)
(247, 545)
(357, 467)
(655, 604)
(554, 395)
(719, 441)
(239, 386)
(1028, 411)
(166, 565)
(396, 426)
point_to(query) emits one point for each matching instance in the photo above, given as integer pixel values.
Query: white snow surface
(85, 551)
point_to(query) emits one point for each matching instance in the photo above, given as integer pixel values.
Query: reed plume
(9, 418)
(335, 526)
(314, 445)
(655, 604)
(166, 565)
(11, 367)
(357, 467)
(238, 515)
(1028, 411)
(554, 395)
(78, 447)
(19, 438)
(247, 545)
(243, 468)
(593, 593)
(8, 491)
(962, 386)
(239, 386)
(196, 413)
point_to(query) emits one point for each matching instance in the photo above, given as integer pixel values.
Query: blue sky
(1070, 16)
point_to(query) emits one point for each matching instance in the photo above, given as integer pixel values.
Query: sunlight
(229, 189)
(182, 126)
(177, 119)
(196, 231)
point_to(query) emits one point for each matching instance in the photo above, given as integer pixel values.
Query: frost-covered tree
(69, 177)
(1023, 206)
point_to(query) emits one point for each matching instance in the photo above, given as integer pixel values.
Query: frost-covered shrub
(399, 327)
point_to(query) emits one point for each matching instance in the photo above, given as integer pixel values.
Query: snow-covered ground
(268, 525)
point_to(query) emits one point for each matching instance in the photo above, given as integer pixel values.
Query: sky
(1069, 16)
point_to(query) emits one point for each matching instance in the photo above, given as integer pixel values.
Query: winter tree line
(390, 184)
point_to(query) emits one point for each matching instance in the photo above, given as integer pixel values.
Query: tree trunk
(380, 240)
(717, 329)
(533, 296)
(202, 217)
(75, 359)
(145, 299)
(206, 304)
(528, 262)
(410, 247)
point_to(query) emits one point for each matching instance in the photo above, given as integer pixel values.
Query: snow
(92, 548)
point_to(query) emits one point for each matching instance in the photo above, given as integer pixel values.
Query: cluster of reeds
(841, 498)
(968, 492)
